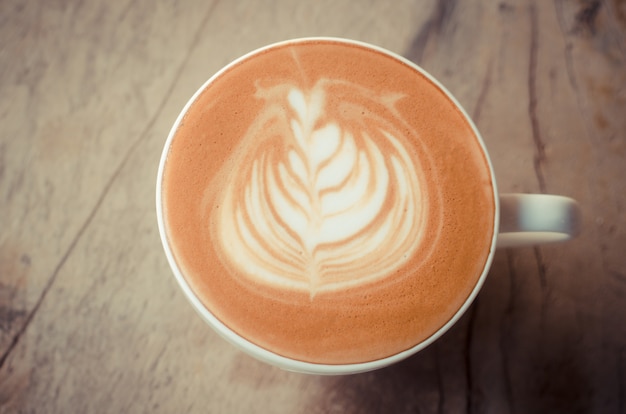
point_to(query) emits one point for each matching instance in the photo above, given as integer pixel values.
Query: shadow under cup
(327, 206)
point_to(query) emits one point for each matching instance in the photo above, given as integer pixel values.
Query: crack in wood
(432, 28)
(14, 270)
(469, 340)
(52, 278)
(540, 155)
(569, 69)
(442, 395)
(616, 14)
(541, 268)
(177, 75)
(2, 161)
(543, 282)
(586, 17)
(505, 327)
(621, 386)
(482, 95)
(8, 316)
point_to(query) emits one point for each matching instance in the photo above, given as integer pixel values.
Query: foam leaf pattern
(324, 193)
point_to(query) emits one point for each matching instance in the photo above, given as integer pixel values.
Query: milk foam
(323, 194)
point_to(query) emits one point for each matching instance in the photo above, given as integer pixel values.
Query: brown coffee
(328, 202)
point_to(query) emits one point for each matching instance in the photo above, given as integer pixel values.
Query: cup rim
(259, 352)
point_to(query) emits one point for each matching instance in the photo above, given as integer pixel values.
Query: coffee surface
(328, 202)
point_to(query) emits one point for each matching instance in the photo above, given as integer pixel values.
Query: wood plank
(91, 319)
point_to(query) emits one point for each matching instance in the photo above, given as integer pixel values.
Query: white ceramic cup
(519, 220)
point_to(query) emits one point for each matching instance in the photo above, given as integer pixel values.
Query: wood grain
(91, 319)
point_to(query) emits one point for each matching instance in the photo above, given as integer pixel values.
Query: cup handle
(529, 219)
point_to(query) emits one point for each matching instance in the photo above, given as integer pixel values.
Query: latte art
(327, 202)
(322, 194)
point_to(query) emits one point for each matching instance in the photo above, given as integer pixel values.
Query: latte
(327, 202)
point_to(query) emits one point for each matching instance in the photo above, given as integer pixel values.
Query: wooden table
(91, 319)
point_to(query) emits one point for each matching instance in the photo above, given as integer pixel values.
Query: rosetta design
(321, 194)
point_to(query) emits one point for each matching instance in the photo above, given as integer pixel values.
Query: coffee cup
(329, 207)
